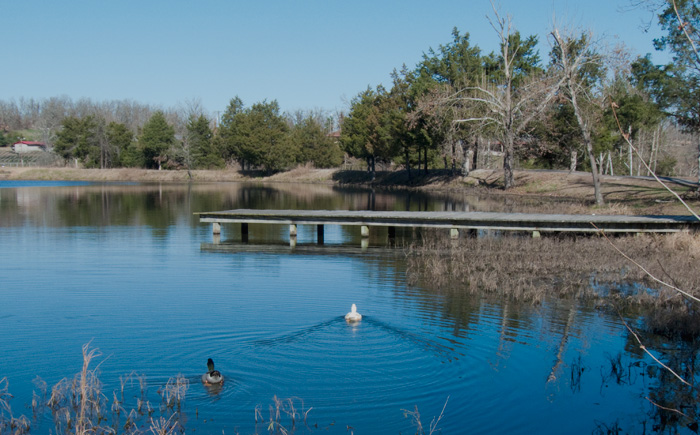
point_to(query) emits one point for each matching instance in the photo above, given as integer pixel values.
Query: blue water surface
(40, 183)
(122, 268)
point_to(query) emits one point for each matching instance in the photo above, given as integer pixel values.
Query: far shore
(642, 196)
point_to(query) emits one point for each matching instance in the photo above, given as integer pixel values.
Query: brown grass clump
(292, 407)
(532, 270)
(79, 406)
(8, 422)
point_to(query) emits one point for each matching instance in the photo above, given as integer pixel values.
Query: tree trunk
(508, 161)
(699, 165)
(467, 168)
(629, 136)
(488, 154)
(408, 163)
(425, 160)
(589, 147)
(594, 168)
(573, 161)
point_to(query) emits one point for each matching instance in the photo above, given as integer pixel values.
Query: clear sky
(306, 54)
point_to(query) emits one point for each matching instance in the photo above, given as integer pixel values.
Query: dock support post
(292, 236)
(216, 228)
(244, 232)
(364, 230)
(536, 234)
(454, 233)
(319, 234)
(391, 235)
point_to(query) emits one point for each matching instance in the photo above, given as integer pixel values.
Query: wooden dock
(454, 221)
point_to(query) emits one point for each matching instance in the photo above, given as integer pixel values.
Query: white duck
(212, 376)
(353, 315)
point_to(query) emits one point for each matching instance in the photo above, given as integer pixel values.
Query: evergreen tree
(368, 131)
(228, 138)
(440, 74)
(155, 140)
(120, 138)
(200, 141)
(314, 145)
(681, 20)
(79, 139)
(264, 137)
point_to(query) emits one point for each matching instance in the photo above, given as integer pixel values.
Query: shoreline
(642, 195)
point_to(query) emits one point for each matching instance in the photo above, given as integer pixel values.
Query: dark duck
(212, 376)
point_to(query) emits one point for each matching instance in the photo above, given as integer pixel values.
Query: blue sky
(306, 54)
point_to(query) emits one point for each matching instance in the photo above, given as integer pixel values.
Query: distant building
(335, 135)
(25, 146)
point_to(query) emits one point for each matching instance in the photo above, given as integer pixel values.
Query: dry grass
(532, 270)
(78, 405)
(292, 407)
(8, 422)
(415, 419)
(175, 391)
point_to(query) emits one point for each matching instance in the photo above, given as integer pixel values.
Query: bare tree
(10, 117)
(578, 64)
(513, 100)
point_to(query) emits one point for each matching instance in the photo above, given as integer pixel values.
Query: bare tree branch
(573, 53)
(644, 348)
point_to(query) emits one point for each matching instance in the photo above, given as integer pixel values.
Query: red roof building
(25, 146)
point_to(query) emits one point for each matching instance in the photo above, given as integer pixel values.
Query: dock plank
(458, 220)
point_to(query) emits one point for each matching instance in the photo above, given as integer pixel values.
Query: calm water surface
(121, 266)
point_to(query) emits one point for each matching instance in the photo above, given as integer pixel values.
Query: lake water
(122, 267)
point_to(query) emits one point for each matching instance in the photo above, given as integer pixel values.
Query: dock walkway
(454, 221)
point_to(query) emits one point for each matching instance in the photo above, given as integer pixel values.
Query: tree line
(459, 108)
(127, 134)
(462, 108)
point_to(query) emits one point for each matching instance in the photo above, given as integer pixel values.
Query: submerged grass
(531, 270)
